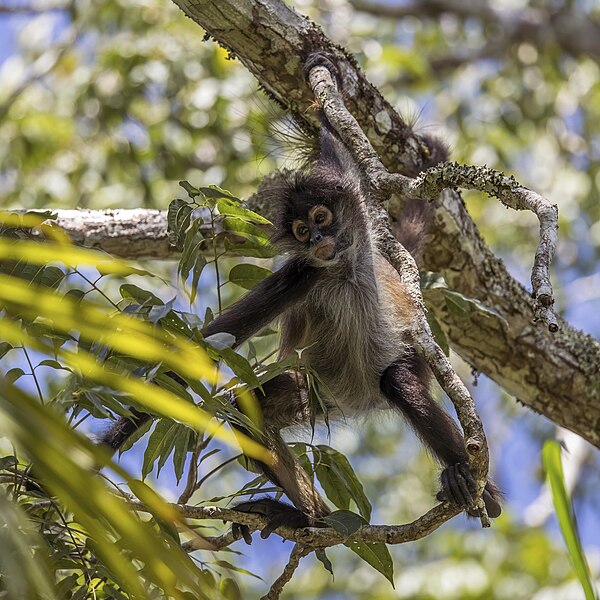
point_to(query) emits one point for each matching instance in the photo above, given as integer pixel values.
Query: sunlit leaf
(551, 455)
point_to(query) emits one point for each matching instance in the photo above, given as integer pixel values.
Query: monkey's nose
(317, 238)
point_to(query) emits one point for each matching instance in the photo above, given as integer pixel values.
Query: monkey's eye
(321, 215)
(300, 230)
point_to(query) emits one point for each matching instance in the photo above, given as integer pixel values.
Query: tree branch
(574, 31)
(313, 537)
(298, 552)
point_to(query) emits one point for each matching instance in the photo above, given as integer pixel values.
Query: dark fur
(269, 299)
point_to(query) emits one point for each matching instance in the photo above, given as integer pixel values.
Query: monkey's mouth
(325, 249)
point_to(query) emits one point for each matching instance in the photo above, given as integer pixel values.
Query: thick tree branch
(574, 31)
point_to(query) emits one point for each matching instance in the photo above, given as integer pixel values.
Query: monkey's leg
(406, 384)
(284, 403)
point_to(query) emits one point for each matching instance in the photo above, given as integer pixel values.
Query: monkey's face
(316, 232)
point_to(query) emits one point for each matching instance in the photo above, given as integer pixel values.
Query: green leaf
(214, 191)
(377, 555)
(254, 249)
(458, 305)
(338, 478)
(463, 306)
(248, 276)
(551, 457)
(345, 522)
(231, 208)
(75, 295)
(53, 364)
(137, 294)
(49, 277)
(161, 440)
(192, 192)
(240, 366)
(199, 265)
(322, 557)
(13, 374)
(247, 230)
(180, 453)
(192, 258)
(220, 341)
(5, 347)
(179, 216)
(227, 565)
(438, 333)
(139, 433)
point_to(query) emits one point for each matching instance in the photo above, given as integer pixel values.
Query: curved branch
(313, 537)
(298, 552)
(432, 182)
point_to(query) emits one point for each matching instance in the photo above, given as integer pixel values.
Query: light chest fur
(352, 326)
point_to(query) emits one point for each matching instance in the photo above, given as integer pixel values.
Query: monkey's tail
(116, 435)
(412, 226)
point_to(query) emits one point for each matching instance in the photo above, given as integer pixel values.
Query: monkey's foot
(459, 486)
(277, 513)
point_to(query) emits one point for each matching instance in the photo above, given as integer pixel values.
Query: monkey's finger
(447, 485)
(271, 526)
(463, 489)
(241, 531)
(470, 480)
(246, 534)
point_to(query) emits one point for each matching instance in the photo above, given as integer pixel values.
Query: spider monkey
(339, 299)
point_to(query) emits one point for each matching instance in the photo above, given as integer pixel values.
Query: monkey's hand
(277, 513)
(458, 487)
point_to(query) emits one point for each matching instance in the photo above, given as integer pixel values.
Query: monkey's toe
(278, 514)
(458, 485)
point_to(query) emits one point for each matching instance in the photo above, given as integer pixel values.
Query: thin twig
(192, 477)
(298, 552)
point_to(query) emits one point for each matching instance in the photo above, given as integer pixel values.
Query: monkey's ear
(333, 153)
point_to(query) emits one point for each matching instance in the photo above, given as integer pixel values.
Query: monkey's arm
(406, 384)
(263, 304)
(246, 317)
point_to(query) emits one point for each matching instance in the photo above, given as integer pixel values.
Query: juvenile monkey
(339, 299)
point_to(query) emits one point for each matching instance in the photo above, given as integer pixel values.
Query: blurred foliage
(107, 105)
